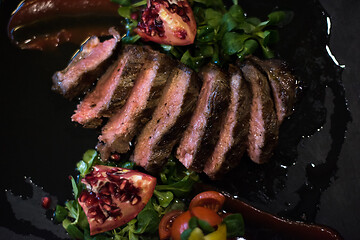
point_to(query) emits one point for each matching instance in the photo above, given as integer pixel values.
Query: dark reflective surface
(313, 175)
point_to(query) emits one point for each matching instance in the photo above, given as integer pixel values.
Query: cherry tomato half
(166, 223)
(179, 225)
(207, 215)
(209, 199)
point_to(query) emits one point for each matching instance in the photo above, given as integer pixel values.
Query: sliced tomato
(168, 22)
(207, 215)
(180, 224)
(166, 223)
(209, 199)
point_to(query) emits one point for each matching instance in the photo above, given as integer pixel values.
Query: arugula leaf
(60, 213)
(73, 231)
(181, 188)
(127, 164)
(280, 18)
(250, 46)
(125, 12)
(205, 34)
(237, 13)
(147, 220)
(233, 42)
(213, 17)
(164, 198)
(234, 225)
(85, 165)
(75, 187)
(229, 23)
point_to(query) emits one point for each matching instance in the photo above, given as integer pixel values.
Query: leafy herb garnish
(223, 34)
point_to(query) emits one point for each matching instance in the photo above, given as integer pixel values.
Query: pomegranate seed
(134, 15)
(45, 202)
(83, 197)
(107, 207)
(134, 200)
(115, 157)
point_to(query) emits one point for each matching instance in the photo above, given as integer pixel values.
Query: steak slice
(264, 128)
(169, 121)
(113, 88)
(85, 67)
(234, 132)
(283, 85)
(130, 119)
(201, 136)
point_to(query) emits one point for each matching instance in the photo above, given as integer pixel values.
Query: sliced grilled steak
(86, 66)
(169, 121)
(113, 88)
(283, 85)
(264, 128)
(130, 119)
(202, 133)
(234, 132)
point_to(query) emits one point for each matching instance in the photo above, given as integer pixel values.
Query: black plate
(313, 176)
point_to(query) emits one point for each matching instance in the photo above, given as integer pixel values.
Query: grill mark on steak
(130, 119)
(264, 128)
(169, 120)
(234, 133)
(203, 131)
(283, 85)
(113, 88)
(86, 66)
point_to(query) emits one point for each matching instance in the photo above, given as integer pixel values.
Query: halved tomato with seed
(180, 224)
(207, 215)
(210, 199)
(166, 223)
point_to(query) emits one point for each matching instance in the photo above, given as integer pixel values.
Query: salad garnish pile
(154, 219)
(222, 33)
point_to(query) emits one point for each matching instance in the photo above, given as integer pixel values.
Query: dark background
(315, 173)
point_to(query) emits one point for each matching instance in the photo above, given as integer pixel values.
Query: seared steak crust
(129, 120)
(234, 132)
(113, 88)
(283, 85)
(202, 133)
(89, 63)
(264, 128)
(169, 121)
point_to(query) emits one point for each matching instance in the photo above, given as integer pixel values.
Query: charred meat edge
(232, 142)
(169, 120)
(130, 119)
(89, 63)
(283, 85)
(264, 128)
(112, 89)
(202, 134)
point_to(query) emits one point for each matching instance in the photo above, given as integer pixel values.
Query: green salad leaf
(234, 225)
